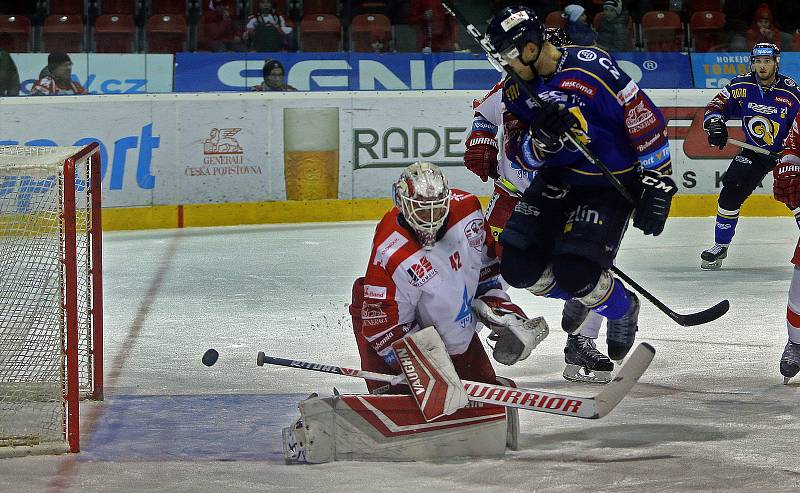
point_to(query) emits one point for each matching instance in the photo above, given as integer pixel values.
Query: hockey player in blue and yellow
(767, 103)
(564, 234)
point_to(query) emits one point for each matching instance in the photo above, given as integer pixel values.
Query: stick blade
(705, 316)
(624, 380)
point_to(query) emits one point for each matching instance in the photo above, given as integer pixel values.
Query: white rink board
(162, 149)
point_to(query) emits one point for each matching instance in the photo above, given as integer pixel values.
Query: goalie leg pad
(391, 428)
(429, 371)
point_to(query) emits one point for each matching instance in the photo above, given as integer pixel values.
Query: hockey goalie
(432, 277)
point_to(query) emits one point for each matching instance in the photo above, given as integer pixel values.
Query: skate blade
(715, 265)
(575, 373)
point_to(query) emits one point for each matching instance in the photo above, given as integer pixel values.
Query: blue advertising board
(715, 70)
(202, 72)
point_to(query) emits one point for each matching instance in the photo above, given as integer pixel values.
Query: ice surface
(710, 414)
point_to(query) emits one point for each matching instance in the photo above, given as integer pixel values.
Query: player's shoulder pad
(511, 90)
(391, 238)
(743, 79)
(594, 63)
(462, 204)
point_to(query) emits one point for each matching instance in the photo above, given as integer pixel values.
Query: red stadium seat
(168, 7)
(706, 31)
(319, 7)
(796, 42)
(127, 7)
(365, 29)
(320, 32)
(66, 7)
(662, 31)
(63, 33)
(15, 33)
(166, 33)
(700, 5)
(555, 19)
(114, 34)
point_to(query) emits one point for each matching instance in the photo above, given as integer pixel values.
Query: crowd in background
(382, 26)
(403, 26)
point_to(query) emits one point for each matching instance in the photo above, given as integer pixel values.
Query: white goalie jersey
(408, 287)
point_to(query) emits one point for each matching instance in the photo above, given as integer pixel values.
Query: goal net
(50, 294)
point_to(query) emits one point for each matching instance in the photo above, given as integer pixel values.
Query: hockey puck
(210, 357)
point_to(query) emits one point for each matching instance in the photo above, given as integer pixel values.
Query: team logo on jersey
(464, 317)
(587, 55)
(760, 108)
(762, 129)
(789, 82)
(372, 314)
(374, 292)
(421, 272)
(639, 118)
(578, 85)
(476, 235)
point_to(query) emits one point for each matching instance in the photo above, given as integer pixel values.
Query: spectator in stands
(274, 78)
(577, 26)
(57, 80)
(219, 30)
(264, 24)
(763, 29)
(9, 77)
(436, 29)
(612, 31)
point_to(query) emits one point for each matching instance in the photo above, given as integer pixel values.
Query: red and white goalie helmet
(422, 195)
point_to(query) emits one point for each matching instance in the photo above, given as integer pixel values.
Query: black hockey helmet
(557, 36)
(765, 49)
(513, 27)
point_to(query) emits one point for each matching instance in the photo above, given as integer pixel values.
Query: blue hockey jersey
(620, 123)
(767, 113)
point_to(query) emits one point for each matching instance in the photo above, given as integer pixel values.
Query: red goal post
(51, 309)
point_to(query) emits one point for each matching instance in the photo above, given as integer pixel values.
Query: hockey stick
(688, 320)
(498, 63)
(751, 147)
(594, 407)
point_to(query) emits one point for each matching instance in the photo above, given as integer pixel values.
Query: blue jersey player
(767, 103)
(563, 236)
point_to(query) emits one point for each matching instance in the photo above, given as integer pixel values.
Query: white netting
(32, 290)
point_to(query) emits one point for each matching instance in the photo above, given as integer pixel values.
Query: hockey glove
(513, 333)
(786, 188)
(550, 124)
(654, 203)
(717, 132)
(480, 156)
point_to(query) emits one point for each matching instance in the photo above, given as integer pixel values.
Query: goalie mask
(423, 197)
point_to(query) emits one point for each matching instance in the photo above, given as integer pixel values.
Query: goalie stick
(594, 407)
(498, 63)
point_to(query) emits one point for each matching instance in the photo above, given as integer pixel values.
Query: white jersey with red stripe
(407, 288)
(491, 107)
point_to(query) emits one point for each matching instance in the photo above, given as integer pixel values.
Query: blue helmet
(512, 28)
(765, 49)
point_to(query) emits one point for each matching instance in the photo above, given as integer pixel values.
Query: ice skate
(712, 258)
(790, 361)
(621, 333)
(584, 362)
(573, 315)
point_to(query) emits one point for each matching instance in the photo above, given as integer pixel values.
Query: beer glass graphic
(311, 153)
